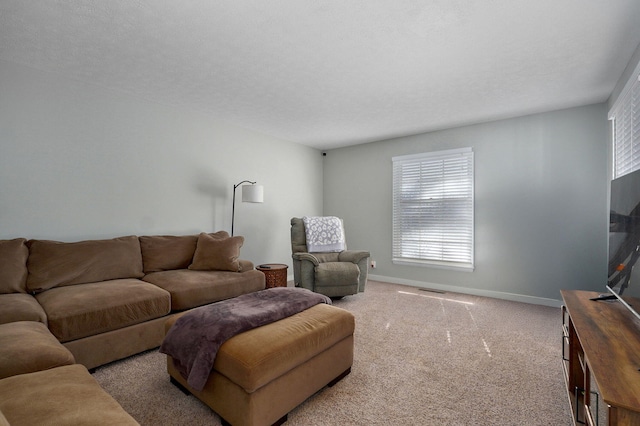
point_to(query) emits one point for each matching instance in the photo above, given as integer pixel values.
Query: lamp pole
(233, 203)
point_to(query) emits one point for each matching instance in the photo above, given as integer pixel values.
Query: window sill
(466, 267)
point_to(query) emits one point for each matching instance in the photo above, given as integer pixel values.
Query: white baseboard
(465, 290)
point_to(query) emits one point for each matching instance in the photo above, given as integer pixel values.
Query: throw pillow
(214, 253)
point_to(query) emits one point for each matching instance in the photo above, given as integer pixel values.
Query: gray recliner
(334, 274)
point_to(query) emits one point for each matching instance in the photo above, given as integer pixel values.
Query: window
(625, 116)
(433, 209)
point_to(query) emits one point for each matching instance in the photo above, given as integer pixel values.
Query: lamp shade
(252, 193)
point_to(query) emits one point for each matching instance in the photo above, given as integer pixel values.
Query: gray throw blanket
(323, 234)
(194, 339)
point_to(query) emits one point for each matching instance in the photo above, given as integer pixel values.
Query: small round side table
(275, 274)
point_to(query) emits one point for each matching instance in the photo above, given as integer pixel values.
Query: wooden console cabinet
(601, 360)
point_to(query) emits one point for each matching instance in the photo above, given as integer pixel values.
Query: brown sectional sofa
(96, 301)
(108, 299)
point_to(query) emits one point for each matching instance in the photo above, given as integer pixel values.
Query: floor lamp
(250, 194)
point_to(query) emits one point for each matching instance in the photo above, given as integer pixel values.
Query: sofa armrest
(20, 307)
(306, 256)
(354, 256)
(245, 265)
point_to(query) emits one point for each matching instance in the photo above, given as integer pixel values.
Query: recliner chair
(334, 274)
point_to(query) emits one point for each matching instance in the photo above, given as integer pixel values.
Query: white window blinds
(433, 208)
(626, 129)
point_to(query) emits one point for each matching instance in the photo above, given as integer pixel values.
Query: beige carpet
(421, 358)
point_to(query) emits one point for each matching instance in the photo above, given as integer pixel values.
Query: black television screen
(624, 241)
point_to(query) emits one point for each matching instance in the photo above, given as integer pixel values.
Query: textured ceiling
(334, 73)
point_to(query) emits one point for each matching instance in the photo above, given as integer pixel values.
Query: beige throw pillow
(215, 253)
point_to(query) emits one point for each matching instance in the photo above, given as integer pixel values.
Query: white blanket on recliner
(324, 234)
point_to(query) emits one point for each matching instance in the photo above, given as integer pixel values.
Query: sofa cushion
(167, 252)
(190, 288)
(327, 257)
(20, 307)
(13, 266)
(337, 273)
(53, 264)
(217, 254)
(84, 310)
(28, 346)
(65, 395)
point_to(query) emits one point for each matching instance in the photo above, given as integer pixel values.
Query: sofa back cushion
(167, 252)
(53, 263)
(13, 266)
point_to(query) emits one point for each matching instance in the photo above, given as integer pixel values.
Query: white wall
(540, 204)
(624, 78)
(78, 161)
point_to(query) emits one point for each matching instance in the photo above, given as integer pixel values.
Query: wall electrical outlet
(373, 264)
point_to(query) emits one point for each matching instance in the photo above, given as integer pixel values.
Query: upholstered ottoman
(260, 375)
